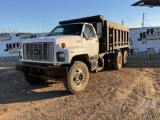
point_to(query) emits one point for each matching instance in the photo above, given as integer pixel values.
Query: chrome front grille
(41, 51)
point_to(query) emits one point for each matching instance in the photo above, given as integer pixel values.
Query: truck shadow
(17, 90)
(28, 93)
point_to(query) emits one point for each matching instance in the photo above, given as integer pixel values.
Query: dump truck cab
(86, 42)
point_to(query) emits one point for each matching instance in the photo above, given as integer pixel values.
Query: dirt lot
(132, 93)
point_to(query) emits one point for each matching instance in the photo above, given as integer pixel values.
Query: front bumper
(43, 70)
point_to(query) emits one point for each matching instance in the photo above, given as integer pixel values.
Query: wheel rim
(79, 77)
(120, 60)
(125, 58)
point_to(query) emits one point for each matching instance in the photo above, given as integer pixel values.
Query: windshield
(73, 29)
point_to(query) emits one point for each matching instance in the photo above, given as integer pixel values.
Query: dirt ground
(132, 93)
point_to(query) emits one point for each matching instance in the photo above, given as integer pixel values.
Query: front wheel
(78, 77)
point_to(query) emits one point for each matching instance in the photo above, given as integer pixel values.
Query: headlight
(60, 56)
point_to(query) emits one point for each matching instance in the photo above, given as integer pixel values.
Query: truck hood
(70, 40)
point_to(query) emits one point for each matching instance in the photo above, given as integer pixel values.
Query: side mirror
(99, 29)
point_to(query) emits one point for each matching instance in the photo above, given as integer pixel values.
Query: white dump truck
(73, 49)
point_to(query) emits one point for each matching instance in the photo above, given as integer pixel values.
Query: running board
(99, 69)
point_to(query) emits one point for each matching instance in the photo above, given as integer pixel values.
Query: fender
(74, 51)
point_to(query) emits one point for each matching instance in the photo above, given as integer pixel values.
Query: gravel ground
(132, 93)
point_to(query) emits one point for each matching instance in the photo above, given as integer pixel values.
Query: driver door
(90, 40)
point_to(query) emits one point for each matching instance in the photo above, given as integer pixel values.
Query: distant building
(145, 40)
(10, 42)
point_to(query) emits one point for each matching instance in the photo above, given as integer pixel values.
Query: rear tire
(33, 78)
(110, 65)
(78, 77)
(124, 57)
(117, 61)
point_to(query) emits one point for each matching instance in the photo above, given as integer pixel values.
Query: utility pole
(143, 20)
(43, 26)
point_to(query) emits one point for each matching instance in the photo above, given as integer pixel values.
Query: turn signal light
(63, 45)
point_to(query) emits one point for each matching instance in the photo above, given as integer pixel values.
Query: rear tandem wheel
(117, 61)
(124, 57)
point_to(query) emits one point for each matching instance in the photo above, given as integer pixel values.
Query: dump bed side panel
(116, 36)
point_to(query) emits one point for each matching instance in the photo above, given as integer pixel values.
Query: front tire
(78, 77)
(33, 78)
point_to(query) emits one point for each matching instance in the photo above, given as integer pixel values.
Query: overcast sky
(44, 15)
